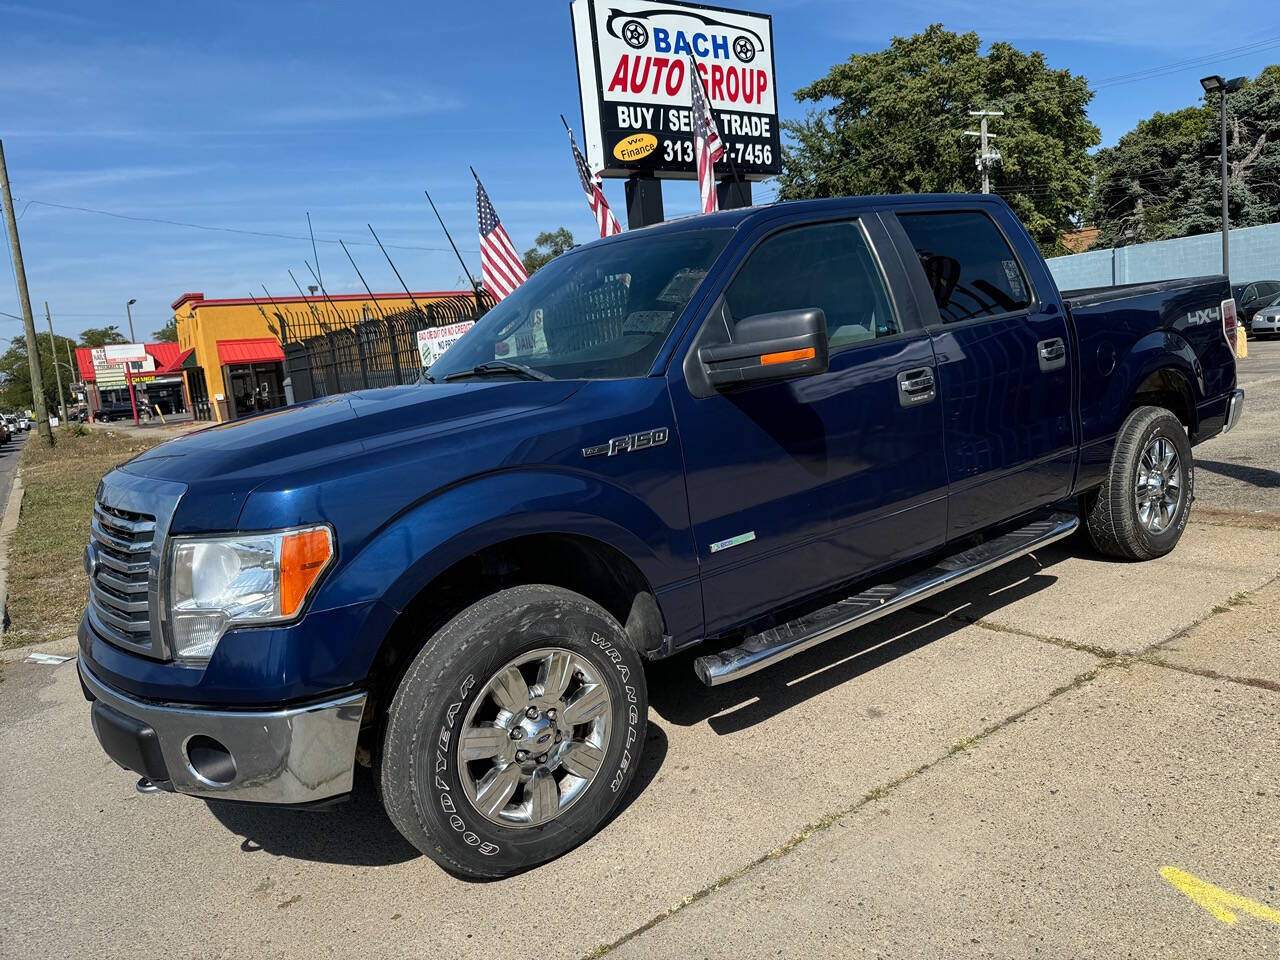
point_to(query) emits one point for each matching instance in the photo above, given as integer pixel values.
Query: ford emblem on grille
(90, 561)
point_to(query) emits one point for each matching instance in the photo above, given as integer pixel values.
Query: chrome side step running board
(777, 643)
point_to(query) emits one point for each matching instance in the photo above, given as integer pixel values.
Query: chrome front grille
(131, 517)
(120, 575)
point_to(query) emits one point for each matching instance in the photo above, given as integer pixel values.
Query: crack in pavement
(1108, 659)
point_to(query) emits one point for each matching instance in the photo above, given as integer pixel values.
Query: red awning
(265, 350)
(175, 364)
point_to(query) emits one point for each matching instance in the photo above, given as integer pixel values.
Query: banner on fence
(434, 341)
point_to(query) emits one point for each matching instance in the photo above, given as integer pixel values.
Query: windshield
(600, 313)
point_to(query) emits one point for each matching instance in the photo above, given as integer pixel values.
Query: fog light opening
(210, 760)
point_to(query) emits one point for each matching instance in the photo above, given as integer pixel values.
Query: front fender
(420, 544)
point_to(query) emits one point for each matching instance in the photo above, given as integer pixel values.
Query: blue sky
(248, 115)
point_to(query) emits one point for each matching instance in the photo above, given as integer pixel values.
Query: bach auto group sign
(633, 66)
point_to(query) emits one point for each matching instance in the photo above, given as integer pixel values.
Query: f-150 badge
(632, 441)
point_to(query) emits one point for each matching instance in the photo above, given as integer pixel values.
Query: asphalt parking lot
(1070, 757)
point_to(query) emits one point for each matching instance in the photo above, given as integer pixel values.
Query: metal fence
(330, 350)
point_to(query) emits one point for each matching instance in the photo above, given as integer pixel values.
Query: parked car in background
(751, 431)
(1252, 297)
(24, 423)
(1266, 322)
(114, 411)
(4, 432)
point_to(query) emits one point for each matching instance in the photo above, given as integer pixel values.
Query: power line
(236, 230)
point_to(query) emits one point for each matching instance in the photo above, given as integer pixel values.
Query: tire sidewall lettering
(443, 791)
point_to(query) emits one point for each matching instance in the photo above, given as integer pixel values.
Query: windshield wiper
(494, 367)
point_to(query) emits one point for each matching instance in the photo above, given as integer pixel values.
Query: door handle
(1053, 354)
(916, 387)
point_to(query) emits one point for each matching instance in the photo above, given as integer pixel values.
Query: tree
(101, 336)
(166, 334)
(894, 121)
(15, 372)
(1163, 179)
(546, 247)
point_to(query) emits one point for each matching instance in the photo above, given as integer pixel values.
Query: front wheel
(515, 732)
(1139, 513)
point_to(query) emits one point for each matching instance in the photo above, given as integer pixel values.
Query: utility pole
(53, 352)
(988, 156)
(28, 322)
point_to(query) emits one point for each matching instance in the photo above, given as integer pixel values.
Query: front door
(798, 485)
(1005, 361)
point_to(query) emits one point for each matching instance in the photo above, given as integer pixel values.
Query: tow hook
(146, 786)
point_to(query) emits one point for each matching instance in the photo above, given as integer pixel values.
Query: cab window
(825, 265)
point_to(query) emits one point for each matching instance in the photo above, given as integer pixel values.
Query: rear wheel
(515, 732)
(1139, 513)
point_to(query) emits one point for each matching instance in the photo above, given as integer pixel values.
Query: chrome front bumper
(1235, 407)
(294, 756)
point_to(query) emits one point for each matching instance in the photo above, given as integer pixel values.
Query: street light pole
(129, 312)
(1222, 87)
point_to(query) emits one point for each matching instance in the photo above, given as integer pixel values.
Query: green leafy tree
(166, 334)
(101, 336)
(1163, 179)
(15, 373)
(894, 121)
(548, 245)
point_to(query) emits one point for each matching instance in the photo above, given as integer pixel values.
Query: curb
(8, 524)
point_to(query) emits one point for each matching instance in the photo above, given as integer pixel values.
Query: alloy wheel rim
(1157, 491)
(535, 737)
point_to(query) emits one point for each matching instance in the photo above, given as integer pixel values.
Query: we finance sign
(633, 70)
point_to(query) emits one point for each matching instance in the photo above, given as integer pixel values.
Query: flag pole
(422, 313)
(377, 306)
(470, 279)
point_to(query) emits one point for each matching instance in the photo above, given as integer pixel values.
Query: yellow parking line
(1217, 901)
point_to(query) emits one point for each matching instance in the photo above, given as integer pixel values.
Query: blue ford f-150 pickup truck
(752, 431)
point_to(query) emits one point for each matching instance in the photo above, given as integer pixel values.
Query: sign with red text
(434, 341)
(633, 73)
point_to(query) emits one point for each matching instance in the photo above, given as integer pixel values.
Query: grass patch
(47, 586)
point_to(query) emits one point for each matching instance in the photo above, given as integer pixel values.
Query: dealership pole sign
(633, 66)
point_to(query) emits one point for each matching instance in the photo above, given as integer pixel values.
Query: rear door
(1005, 364)
(797, 485)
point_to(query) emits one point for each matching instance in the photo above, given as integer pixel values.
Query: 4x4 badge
(632, 441)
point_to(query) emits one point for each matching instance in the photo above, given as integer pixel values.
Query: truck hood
(309, 435)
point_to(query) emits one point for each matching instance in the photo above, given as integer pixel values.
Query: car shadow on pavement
(679, 697)
(1254, 476)
(358, 833)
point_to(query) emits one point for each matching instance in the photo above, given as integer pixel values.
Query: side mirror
(769, 346)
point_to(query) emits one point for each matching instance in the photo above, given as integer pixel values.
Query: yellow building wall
(201, 324)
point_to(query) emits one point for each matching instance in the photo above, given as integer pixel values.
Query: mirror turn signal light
(787, 356)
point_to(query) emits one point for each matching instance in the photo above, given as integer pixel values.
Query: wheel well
(581, 564)
(1168, 388)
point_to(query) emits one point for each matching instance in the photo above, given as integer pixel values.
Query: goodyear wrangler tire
(1141, 510)
(515, 732)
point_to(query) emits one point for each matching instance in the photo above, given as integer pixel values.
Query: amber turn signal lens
(303, 557)
(786, 356)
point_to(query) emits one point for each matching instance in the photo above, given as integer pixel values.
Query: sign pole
(133, 399)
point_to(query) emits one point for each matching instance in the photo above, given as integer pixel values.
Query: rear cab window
(971, 269)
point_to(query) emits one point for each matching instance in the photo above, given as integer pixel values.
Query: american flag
(707, 145)
(605, 220)
(500, 265)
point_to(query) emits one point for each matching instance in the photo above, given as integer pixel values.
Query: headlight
(217, 583)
